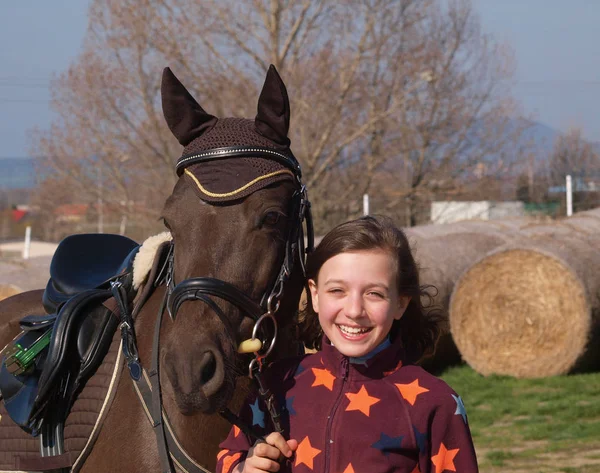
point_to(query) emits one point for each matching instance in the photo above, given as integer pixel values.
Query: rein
(204, 289)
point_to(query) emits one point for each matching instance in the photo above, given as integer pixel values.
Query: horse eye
(271, 218)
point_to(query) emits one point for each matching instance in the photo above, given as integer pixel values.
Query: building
(454, 211)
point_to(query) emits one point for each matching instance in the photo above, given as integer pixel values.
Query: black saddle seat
(86, 261)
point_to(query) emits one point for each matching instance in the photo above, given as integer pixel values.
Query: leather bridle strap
(154, 374)
(193, 288)
(286, 158)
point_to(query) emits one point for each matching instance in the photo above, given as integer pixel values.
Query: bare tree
(400, 98)
(573, 155)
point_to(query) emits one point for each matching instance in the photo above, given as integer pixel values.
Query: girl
(360, 404)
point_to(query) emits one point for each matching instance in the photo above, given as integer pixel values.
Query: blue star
(387, 444)
(258, 416)
(289, 405)
(460, 408)
(420, 438)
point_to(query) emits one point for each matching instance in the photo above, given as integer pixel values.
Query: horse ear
(186, 118)
(273, 117)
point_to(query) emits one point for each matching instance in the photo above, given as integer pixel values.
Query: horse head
(235, 216)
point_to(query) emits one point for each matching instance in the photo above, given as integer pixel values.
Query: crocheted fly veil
(262, 143)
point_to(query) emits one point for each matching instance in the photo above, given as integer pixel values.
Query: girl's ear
(403, 302)
(314, 295)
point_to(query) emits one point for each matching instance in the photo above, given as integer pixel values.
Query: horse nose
(203, 372)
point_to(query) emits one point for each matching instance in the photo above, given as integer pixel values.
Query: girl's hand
(264, 456)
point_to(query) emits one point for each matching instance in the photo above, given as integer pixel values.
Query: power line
(23, 86)
(6, 100)
(559, 82)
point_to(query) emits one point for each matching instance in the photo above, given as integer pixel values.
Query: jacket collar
(382, 361)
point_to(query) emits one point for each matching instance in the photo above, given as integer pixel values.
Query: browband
(287, 158)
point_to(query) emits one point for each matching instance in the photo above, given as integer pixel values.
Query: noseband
(204, 289)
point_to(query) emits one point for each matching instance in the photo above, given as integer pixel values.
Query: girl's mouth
(353, 333)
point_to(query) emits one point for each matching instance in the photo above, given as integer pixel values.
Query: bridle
(204, 289)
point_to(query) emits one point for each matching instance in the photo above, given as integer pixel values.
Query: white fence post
(365, 204)
(27, 243)
(569, 189)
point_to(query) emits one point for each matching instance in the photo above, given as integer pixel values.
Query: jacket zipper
(345, 369)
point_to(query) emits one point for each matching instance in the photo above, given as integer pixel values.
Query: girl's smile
(357, 300)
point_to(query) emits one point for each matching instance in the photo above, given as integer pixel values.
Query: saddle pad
(18, 449)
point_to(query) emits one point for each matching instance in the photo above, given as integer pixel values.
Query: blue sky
(556, 43)
(557, 47)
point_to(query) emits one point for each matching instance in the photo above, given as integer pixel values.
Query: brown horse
(231, 220)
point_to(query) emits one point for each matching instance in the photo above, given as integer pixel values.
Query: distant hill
(17, 173)
(544, 138)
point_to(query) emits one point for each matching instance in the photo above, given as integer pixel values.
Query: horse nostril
(208, 367)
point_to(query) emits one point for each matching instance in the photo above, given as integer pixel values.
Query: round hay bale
(442, 259)
(529, 309)
(7, 290)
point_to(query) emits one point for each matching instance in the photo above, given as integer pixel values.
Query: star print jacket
(377, 416)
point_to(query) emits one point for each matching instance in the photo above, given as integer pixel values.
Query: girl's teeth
(353, 330)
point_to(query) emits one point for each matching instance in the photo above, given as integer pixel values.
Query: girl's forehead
(366, 263)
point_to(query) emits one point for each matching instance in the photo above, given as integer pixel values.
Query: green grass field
(548, 425)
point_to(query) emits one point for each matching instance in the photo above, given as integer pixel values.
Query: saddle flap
(64, 336)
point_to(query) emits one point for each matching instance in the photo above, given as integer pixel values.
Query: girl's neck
(379, 348)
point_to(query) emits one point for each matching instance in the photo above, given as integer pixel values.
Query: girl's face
(357, 300)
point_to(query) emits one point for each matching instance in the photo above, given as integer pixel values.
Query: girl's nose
(354, 306)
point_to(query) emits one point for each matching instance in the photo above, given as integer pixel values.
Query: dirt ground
(32, 273)
(25, 274)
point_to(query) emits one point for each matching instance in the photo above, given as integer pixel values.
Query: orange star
(306, 453)
(411, 391)
(398, 366)
(444, 460)
(323, 377)
(361, 401)
(236, 431)
(229, 461)
(221, 453)
(349, 468)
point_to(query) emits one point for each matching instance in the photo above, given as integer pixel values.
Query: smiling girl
(360, 403)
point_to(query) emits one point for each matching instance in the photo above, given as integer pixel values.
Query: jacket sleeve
(234, 448)
(450, 444)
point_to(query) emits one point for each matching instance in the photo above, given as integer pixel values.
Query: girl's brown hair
(418, 329)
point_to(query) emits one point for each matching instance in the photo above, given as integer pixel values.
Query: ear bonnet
(262, 144)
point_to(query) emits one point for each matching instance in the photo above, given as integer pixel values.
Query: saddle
(45, 367)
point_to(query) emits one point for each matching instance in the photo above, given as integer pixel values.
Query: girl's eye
(377, 294)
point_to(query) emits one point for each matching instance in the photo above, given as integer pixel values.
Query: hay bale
(7, 290)
(530, 308)
(442, 259)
